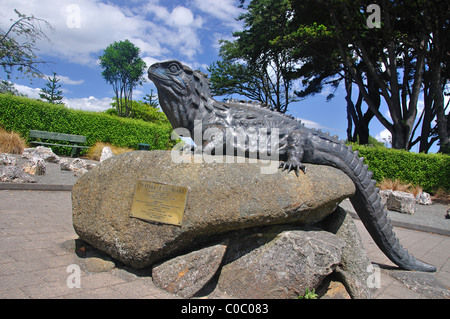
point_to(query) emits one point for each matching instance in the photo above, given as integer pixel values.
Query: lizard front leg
(295, 151)
(212, 141)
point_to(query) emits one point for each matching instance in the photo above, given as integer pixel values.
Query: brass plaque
(158, 202)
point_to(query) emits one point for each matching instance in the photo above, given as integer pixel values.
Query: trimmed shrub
(429, 171)
(21, 115)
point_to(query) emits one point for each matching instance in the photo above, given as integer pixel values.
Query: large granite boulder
(223, 197)
(280, 262)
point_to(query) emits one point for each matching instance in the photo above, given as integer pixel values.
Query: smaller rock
(64, 164)
(447, 215)
(89, 166)
(96, 264)
(187, 274)
(80, 172)
(35, 166)
(423, 199)
(77, 164)
(14, 174)
(333, 290)
(401, 202)
(80, 166)
(6, 159)
(384, 195)
(106, 153)
(43, 152)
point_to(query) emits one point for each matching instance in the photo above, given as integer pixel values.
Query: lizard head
(181, 91)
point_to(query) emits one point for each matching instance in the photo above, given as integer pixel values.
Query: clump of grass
(441, 196)
(95, 151)
(11, 142)
(398, 185)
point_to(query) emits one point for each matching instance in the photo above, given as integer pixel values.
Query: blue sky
(163, 29)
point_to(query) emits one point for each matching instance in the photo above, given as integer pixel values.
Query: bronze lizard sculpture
(185, 98)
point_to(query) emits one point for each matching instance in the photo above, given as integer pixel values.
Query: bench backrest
(58, 136)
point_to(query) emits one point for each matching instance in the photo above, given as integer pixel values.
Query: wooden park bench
(42, 135)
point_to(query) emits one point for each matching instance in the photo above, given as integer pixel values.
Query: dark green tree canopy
(392, 52)
(123, 69)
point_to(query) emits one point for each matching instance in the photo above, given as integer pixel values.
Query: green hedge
(21, 115)
(429, 171)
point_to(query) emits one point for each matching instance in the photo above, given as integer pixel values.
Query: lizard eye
(173, 68)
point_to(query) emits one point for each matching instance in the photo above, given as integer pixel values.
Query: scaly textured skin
(185, 98)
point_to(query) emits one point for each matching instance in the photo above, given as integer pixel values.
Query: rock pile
(243, 233)
(35, 165)
(404, 202)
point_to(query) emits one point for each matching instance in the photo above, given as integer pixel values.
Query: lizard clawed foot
(293, 165)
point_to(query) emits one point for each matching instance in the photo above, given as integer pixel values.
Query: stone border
(35, 187)
(423, 228)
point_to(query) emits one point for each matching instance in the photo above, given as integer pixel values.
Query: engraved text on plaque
(158, 202)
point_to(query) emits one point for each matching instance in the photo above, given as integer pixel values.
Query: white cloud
(84, 29)
(152, 48)
(178, 29)
(311, 124)
(225, 10)
(65, 79)
(181, 17)
(384, 136)
(28, 91)
(89, 103)
(79, 34)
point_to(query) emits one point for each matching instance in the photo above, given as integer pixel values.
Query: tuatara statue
(185, 98)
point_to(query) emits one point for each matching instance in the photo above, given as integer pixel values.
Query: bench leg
(74, 151)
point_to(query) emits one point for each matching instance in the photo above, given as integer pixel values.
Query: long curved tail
(367, 203)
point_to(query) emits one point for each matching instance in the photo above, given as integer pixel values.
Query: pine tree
(51, 92)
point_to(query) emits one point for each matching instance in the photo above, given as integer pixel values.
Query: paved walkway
(37, 258)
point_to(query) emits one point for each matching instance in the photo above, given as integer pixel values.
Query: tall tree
(394, 56)
(434, 17)
(261, 70)
(18, 45)
(123, 69)
(51, 92)
(313, 45)
(387, 61)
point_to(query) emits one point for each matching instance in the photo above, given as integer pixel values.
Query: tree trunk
(438, 97)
